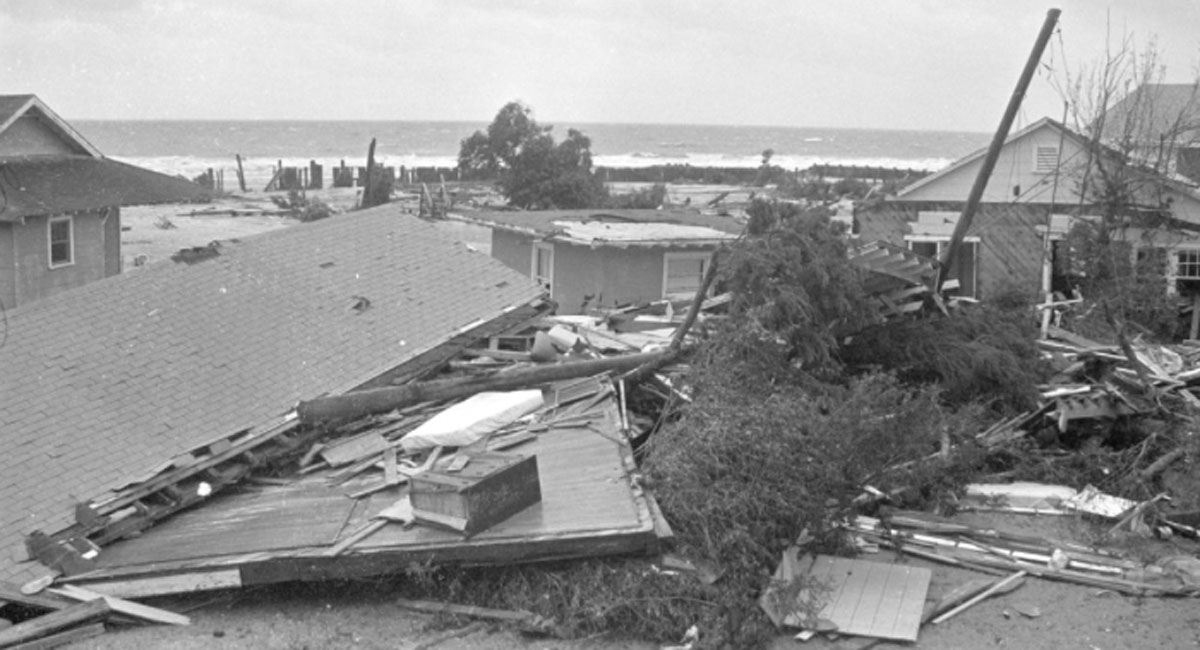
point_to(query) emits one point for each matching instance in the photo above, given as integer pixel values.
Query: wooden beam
(357, 404)
(54, 622)
(122, 606)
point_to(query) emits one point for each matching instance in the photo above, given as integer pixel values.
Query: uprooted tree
(531, 169)
(797, 405)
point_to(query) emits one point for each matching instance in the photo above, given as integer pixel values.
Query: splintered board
(872, 598)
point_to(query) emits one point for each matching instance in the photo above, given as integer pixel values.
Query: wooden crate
(491, 488)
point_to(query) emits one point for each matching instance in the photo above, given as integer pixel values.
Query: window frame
(1177, 263)
(681, 256)
(547, 282)
(50, 223)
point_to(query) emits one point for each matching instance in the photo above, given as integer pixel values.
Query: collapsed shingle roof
(101, 384)
(49, 185)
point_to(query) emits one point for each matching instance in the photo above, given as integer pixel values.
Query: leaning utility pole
(993, 152)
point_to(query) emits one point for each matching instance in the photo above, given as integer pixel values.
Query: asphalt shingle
(103, 383)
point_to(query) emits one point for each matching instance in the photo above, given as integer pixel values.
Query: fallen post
(361, 403)
(980, 597)
(431, 607)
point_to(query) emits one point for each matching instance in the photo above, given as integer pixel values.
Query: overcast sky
(917, 64)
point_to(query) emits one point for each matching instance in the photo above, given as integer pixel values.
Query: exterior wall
(513, 249)
(27, 136)
(1014, 168)
(1010, 248)
(8, 268)
(610, 276)
(96, 256)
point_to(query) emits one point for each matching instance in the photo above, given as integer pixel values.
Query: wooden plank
(852, 585)
(907, 621)
(182, 583)
(987, 592)
(54, 622)
(122, 606)
(885, 612)
(62, 638)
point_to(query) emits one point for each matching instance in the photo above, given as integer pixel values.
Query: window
(965, 267)
(683, 274)
(1045, 159)
(62, 242)
(542, 265)
(1188, 266)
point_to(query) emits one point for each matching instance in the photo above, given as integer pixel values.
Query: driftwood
(357, 404)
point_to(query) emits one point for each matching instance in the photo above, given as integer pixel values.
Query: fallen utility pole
(993, 152)
(381, 400)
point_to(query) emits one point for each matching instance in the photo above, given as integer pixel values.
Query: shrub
(979, 353)
(750, 466)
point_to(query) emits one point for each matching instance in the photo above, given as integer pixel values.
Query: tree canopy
(532, 170)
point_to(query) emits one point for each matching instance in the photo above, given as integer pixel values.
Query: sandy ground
(364, 614)
(154, 233)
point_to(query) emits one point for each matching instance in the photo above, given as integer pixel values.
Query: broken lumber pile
(68, 614)
(990, 550)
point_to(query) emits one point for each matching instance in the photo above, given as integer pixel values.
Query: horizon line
(552, 123)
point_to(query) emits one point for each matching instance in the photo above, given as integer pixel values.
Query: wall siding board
(1010, 248)
(27, 136)
(34, 277)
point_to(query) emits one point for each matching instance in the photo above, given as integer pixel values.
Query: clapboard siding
(1010, 247)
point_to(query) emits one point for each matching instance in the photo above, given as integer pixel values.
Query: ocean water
(190, 147)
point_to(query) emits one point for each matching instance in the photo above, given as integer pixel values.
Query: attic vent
(1045, 159)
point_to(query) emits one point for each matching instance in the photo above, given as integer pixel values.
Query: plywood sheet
(872, 598)
(271, 518)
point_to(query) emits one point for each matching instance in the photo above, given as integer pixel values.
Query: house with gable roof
(60, 201)
(1152, 115)
(1035, 186)
(608, 258)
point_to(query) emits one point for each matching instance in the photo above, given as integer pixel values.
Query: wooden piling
(241, 174)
